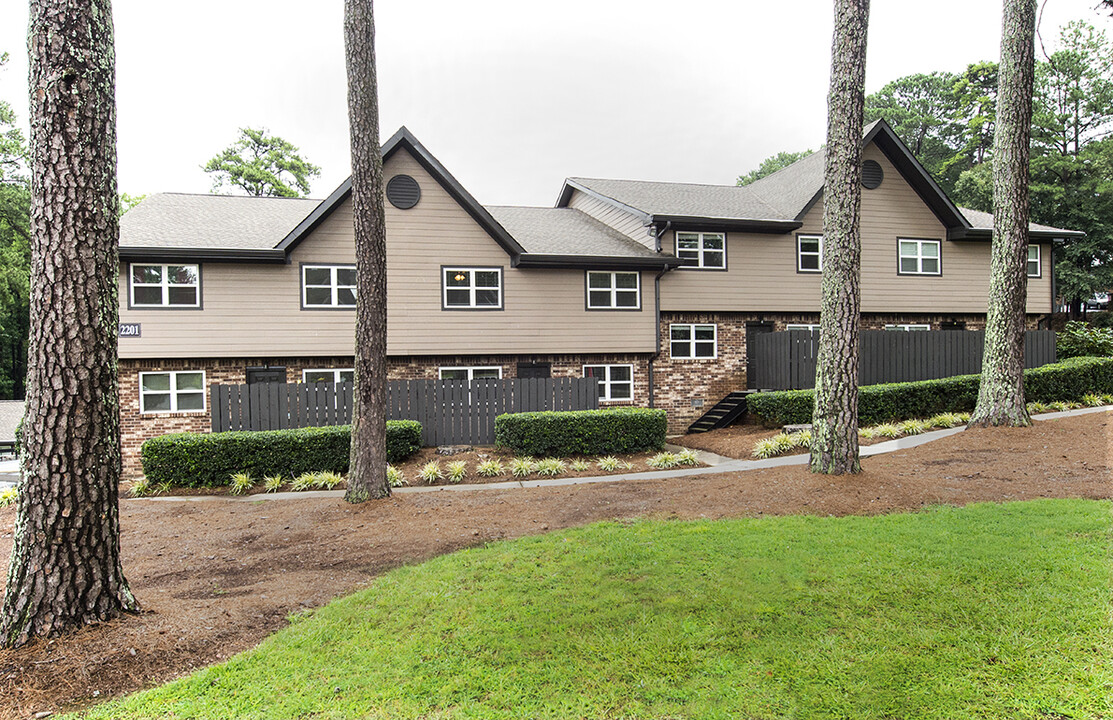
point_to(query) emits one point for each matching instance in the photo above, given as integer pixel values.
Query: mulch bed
(216, 576)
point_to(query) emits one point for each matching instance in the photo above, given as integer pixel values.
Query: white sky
(511, 95)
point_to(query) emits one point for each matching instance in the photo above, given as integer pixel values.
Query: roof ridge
(661, 182)
(237, 197)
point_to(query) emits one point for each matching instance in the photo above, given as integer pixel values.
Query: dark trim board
(594, 262)
(199, 255)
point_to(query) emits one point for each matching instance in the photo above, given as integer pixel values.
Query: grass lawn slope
(988, 611)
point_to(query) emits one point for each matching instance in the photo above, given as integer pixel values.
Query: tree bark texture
(835, 419)
(1001, 395)
(367, 474)
(65, 568)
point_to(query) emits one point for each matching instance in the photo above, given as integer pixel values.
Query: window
(332, 376)
(171, 391)
(918, 257)
(692, 341)
(814, 327)
(809, 253)
(613, 291)
(165, 285)
(479, 288)
(702, 250)
(908, 327)
(324, 286)
(1034, 264)
(470, 373)
(616, 382)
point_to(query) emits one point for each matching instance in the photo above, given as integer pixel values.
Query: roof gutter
(771, 227)
(228, 255)
(594, 262)
(987, 234)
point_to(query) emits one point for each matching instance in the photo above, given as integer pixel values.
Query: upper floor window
(171, 391)
(165, 286)
(809, 253)
(919, 257)
(613, 290)
(702, 250)
(329, 375)
(616, 382)
(479, 288)
(324, 286)
(1034, 264)
(692, 341)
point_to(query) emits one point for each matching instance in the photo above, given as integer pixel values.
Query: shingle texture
(565, 231)
(175, 220)
(689, 200)
(984, 221)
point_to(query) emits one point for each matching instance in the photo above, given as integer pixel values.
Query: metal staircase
(725, 412)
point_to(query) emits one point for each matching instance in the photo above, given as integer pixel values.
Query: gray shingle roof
(984, 221)
(686, 199)
(179, 220)
(565, 231)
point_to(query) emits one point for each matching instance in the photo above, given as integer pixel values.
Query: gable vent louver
(403, 192)
(872, 174)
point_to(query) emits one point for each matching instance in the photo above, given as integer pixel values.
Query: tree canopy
(15, 252)
(262, 165)
(771, 165)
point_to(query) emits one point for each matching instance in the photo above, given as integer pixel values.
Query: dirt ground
(216, 576)
(736, 441)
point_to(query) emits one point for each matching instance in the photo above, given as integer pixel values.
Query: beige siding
(762, 275)
(255, 310)
(608, 214)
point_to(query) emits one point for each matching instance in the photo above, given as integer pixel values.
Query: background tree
(262, 165)
(367, 473)
(835, 419)
(771, 165)
(65, 567)
(15, 253)
(1001, 394)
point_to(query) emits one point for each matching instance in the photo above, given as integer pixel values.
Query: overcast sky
(512, 96)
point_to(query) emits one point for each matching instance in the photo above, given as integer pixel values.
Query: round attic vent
(872, 174)
(403, 192)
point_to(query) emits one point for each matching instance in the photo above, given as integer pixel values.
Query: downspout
(657, 310)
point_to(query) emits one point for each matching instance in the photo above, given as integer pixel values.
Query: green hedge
(208, 459)
(1065, 380)
(586, 432)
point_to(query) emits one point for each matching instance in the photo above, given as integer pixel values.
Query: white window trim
(811, 327)
(799, 253)
(919, 256)
(471, 287)
(471, 370)
(691, 341)
(173, 391)
(1038, 260)
(335, 373)
(700, 250)
(606, 382)
(333, 285)
(165, 285)
(637, 290)
(908, 327)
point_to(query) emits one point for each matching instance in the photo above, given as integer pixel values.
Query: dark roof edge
(596, 262)
(236, 255)
(987, 234)
(570, 185)
(685, 222)
(433, 166)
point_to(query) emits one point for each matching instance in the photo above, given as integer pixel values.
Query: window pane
(458, 297)
(626, 299)
(598, 280)
(146, 273)
(681, 332)
(713, 242)
(318, 276)
(626, 280)
(347, 375)
(686, 237)
(148, 295)
(621, 391)
(809, 245)
(681, 349)
(929, 250)
(189, 381)
(908, 265)
(457, 278)
(345, 276)
(599, 299)
(487, 298)
(809, 262)
(705, 332)
(1034, 252)
(318, 296)
(156, 381)
(713, 259)
(156, 402)
(182, 274)
(485, 373)
(620, 372)
(316, 376)
(183, 295)
(705, 349)
(931, 265)
(345, 296)
(191, 401)
(454, 374)
(908, 249)
(486, 278)
(687, 243)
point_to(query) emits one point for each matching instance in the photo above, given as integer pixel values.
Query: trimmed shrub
(582, 432)
(1078, 339)
(1067, 380)
(209, 459)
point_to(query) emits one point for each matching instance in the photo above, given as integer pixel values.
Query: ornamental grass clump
(867, 433)
(580, 465)
(913, 427)
(273, 483)
(395, 477)
(550, 467)
(303, 482)
(943, 420)
(1107, 399)
(140, 487)
(327, 480)
(431, 472)
(1092, 400)
(802, 439)
(1037, 408)
(608, 463)
(887, 430)
(687, 457)
(765, 449)
(8, 497)
(489, 468)
(239, 483)
(663, 461)
(521, 467)
(457, 471)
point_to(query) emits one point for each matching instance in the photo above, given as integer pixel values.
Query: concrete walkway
(722, 464)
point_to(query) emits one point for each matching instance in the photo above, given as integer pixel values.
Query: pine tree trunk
(835, 420)
(367, 475)
(65, 569)
(1001, 395)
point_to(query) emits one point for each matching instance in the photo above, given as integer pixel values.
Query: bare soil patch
(736, 441)
(216, 576)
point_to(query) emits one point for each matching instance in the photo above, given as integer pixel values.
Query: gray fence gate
(450, 411)
(786, 360)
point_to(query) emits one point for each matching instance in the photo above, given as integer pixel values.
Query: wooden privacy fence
(786, 360)
(450, 411)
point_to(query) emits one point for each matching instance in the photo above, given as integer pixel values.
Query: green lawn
(988, 611)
